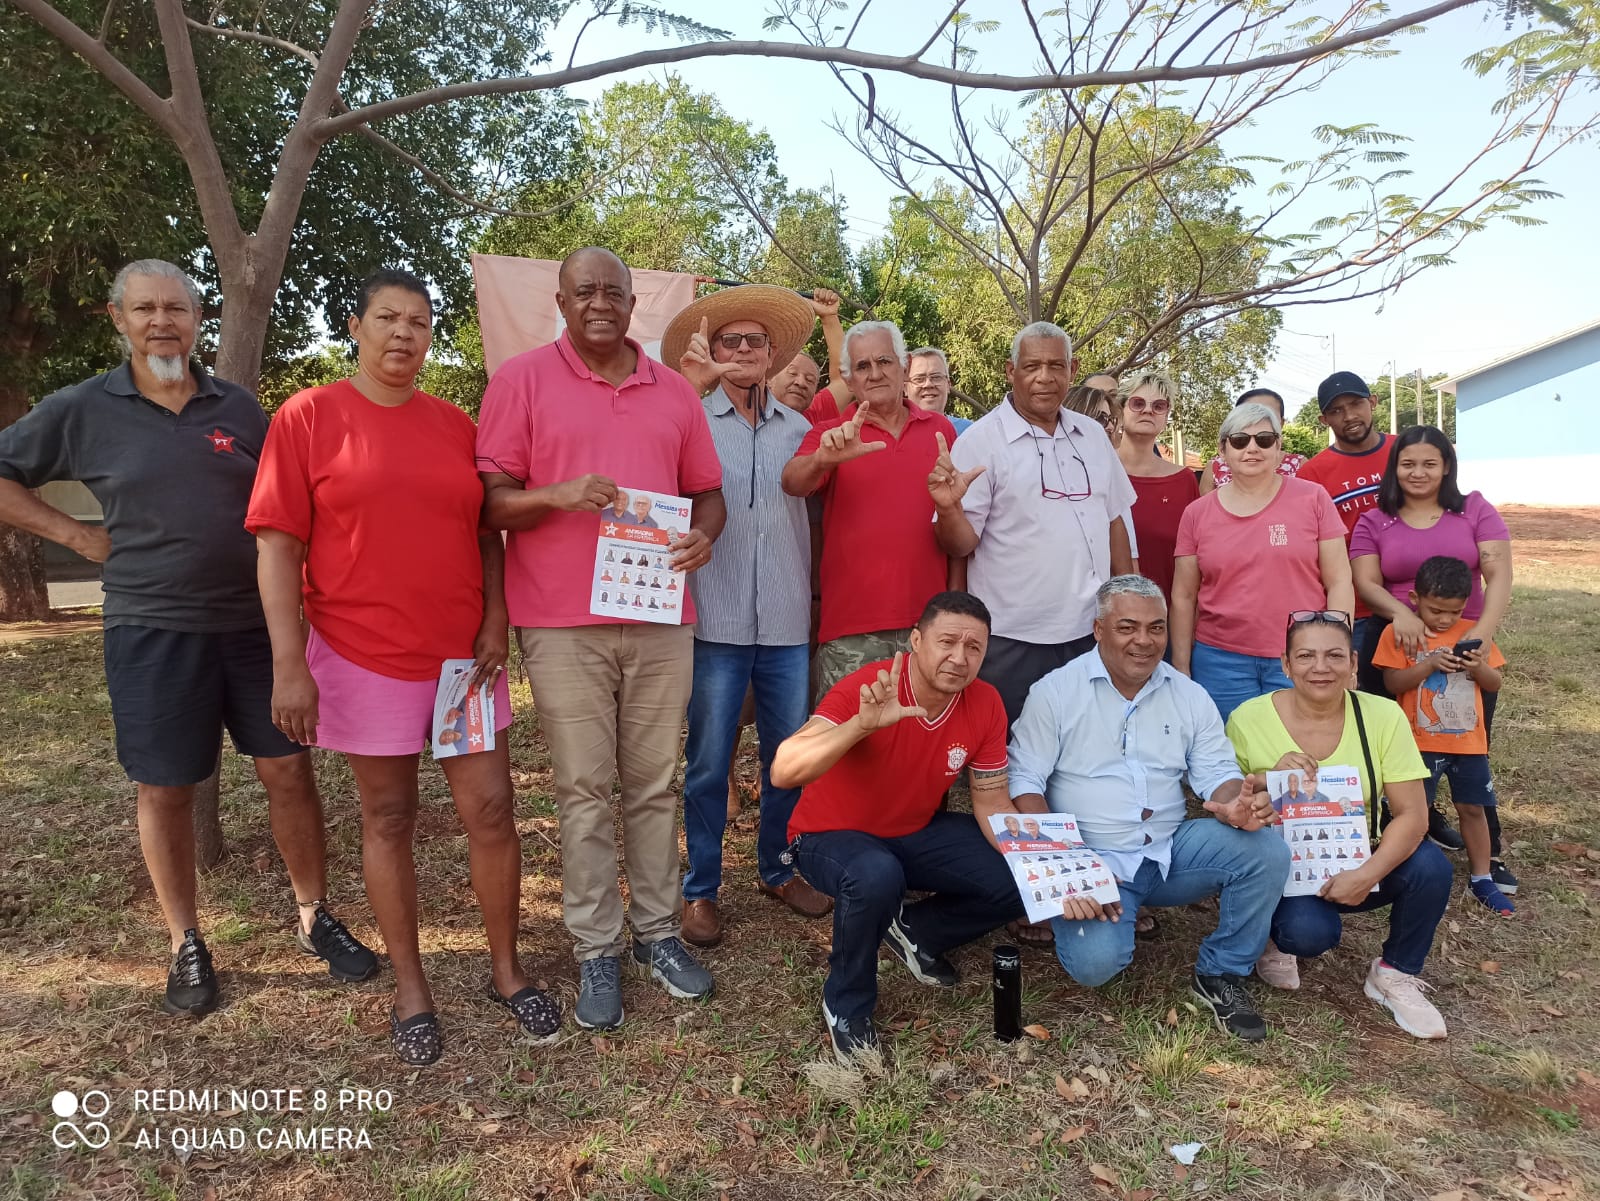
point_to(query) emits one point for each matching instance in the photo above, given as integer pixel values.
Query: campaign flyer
(1049, 862)
(1324, 820)
(633, 576)
(463, 722)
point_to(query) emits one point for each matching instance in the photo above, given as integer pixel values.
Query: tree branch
(248, 35)
(331, 127)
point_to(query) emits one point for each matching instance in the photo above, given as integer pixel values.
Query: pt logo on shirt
(221, 443)
(955, 757)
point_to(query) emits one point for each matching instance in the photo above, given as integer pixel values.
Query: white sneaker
(1402, 996)
(1278, 969)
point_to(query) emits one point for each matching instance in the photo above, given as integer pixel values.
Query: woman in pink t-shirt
(1258, 548)
(1214, 476)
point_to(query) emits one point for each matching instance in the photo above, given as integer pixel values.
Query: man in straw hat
(754, 599)
(881, 558)
(610, 691)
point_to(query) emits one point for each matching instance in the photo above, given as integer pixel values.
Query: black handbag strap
(1375, 824)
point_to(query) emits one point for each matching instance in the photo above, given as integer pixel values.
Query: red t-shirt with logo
(823, 408)
(387, 501)
(1352, 479)
(890, 783)
(881, 559)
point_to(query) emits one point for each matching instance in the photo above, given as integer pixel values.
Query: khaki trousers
(611, 702)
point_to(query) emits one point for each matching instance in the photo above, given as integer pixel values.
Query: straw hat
(784, 314)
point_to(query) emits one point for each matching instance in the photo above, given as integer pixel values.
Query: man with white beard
(171, 453)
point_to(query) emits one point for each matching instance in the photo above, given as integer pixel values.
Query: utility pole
(1422, 416)
(1394, 397)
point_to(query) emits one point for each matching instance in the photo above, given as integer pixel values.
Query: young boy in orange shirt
(1442, 693)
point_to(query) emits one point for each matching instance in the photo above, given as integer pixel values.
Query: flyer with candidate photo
(1049, 862)
(463, 722)
(1323, 818)
(633, 575)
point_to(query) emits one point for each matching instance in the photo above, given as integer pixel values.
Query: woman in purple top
(1421, 513)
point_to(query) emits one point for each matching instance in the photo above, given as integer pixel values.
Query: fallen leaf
(1063, 1089)
(1454, 1194)
(1103, 1174)
(489, 1128)
(1139, 1194)
(1572, 850)
(1455, 926)
(1036, 1031)
(1552, 1010)
(1525, 1163)
(738, 1085)
(1587, 1077)
(1214, 1069)
(1096, 1073)
(747, 1133)
(1172, 1017)
(1080, 1090)
(1180, 1173)
(1570, 975)
(210, 1194)
(1072, 1134)
(1489, 967)
(527, 1077)
(917, 1179)
(1304, 1144)
(263, 861)
(601, 1044)
(1035, 1138)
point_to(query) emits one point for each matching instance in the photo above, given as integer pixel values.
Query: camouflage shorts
(839, 658)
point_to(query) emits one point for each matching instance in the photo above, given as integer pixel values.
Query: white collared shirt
(1039, 560)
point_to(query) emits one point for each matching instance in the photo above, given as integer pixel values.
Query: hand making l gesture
(697, 365)
(880, 700)
(844, 442)
(945, 484)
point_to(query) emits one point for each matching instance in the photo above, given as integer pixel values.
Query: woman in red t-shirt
(1165, 489)
(366, 513)
(1260, 547)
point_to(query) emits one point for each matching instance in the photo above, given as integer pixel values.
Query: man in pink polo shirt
(561, 428)
(881, 560)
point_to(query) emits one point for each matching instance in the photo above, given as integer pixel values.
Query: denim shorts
(1470, 780)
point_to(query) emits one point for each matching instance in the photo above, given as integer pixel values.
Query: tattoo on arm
(987, 781)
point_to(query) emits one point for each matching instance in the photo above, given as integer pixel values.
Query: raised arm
(825, 304)
(803, 474)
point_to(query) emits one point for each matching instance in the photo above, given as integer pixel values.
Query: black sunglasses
(1331, 616)
(1264, 440)
(731, 341)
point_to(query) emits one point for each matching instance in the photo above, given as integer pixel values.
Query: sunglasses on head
(1331, 616)
(1264, 440)
(731, 341)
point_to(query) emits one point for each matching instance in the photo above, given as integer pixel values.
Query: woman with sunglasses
(1217, 473)
(1165, 488)
(1317, 721)
(1421, 513)
(1259, 546)
(1101, 406)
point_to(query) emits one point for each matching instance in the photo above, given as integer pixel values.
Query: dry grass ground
(732, 1098)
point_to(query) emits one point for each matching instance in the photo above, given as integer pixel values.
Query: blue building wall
(1528, 430)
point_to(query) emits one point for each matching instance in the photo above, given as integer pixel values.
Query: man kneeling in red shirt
(875, 760)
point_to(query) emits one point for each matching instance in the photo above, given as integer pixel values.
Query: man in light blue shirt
(1110, 738)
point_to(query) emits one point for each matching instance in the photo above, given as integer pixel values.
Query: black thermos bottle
(1007, 993)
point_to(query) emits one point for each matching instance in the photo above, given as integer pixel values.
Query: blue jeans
(1417, 892)
(1231, 679)
(1208, 858)
(723, 673)
(973, 893)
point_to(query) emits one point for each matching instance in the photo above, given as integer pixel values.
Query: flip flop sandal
(418, 1040)
(1041, 937)
(537, 1013)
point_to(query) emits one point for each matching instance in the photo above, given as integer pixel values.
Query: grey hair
(1040, 329)
(931, 352)
(1151, 379)
(1126, 585)
(157, 267)
(1247, 415)
(872, 327)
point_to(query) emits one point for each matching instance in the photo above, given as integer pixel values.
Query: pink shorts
(361, 712)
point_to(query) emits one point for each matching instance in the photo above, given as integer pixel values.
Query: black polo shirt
(173, 488)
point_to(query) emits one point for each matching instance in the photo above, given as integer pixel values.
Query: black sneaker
(191, 981)
(1231, 1005)
(1442, 832)
(329, 941)
(850, 1038)
(930, 969)
(1502, 877)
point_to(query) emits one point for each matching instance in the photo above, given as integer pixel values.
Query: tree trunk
(23, 594)
(208, 846)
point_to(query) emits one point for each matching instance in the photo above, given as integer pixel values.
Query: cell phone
(1466, 646)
